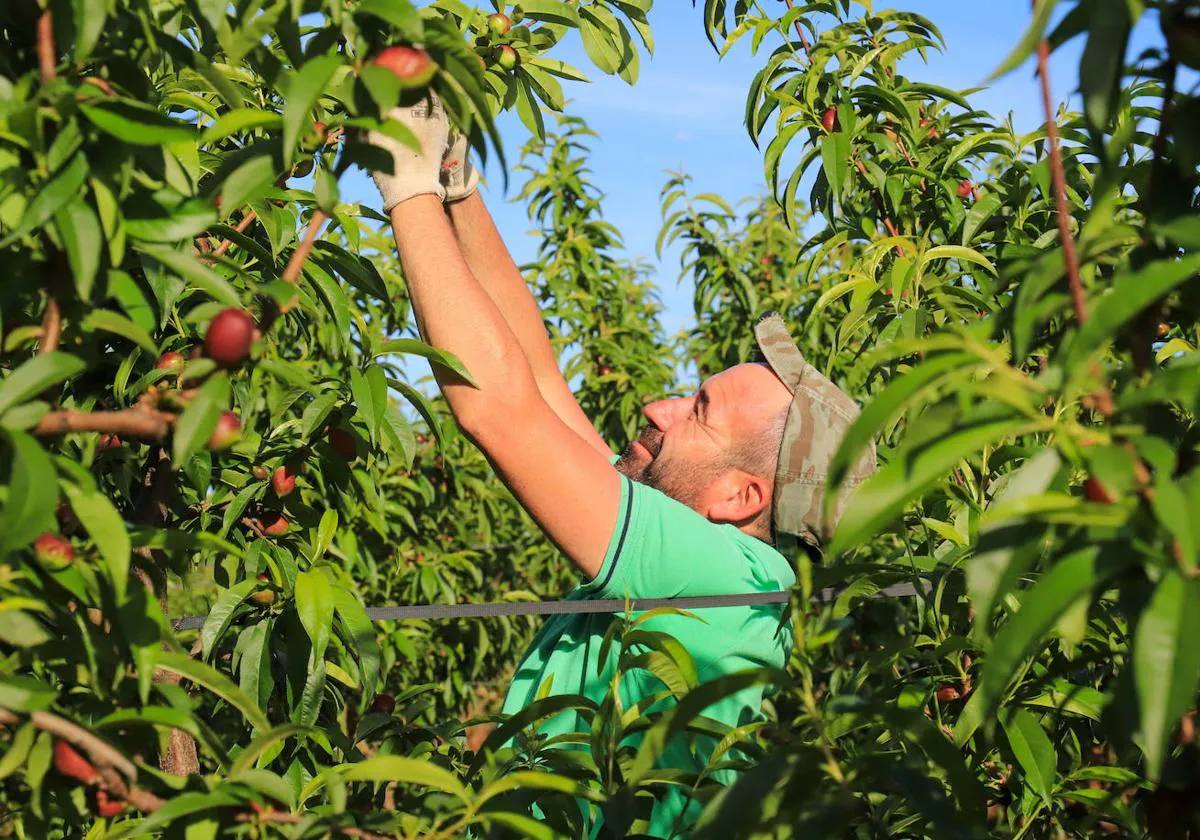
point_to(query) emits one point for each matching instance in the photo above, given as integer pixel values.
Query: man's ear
(738, 498)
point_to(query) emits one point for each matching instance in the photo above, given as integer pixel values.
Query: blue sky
(685, 113)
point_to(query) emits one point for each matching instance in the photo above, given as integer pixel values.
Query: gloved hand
(459, 176)
(414, 173)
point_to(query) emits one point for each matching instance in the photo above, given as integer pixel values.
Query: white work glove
(414, 173)
(459, 177)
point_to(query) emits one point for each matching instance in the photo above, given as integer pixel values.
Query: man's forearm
(455, 314)
(489, 260)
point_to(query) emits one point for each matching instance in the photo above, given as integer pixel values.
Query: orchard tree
(1019, 311)
(199, 378)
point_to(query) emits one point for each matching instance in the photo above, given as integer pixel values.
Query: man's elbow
(485, 414)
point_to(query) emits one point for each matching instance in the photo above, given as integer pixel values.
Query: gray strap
(611, 605)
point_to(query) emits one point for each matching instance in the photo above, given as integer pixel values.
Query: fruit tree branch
(137, 423)
(46, 50)
(51, 326)
(1101, 398)
(225, 245)
(98, 750)
(800, 32)
(1059, 181)
(292, 273)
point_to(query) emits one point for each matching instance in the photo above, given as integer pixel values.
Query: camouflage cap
(817, 421)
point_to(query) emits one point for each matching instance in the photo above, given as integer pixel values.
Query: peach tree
(1018, 312)
(201, 379)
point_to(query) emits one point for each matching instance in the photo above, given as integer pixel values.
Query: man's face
(689, 441)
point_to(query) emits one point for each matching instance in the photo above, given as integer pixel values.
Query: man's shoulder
(712, 541)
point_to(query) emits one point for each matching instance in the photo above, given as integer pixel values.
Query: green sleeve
(661, 548)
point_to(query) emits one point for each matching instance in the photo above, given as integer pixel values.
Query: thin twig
(51, 325)
(136, 423)
(1100, 398)
(800, 32)
(292, 273)
(1059, 181)
(47, 52)
(879, 205)
(225, 245)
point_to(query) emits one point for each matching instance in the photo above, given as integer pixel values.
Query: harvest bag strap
(611, 605)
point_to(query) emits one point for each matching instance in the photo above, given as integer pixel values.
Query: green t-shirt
(661, 548)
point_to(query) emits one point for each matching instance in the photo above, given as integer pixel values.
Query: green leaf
(36, 375)
(90, 17)
(262, 743)
(314, 606)
(106, 528)
(392, 768)
(1166, 664)
(54, 194)
(1065, 582)
(835, 160)
(194, 272)
(221, 613)
(325, 190)
(136, 124)
(1007, 546)
(896, 397)
(238, 121)
(197, 422)
(1032, 749)
(150, 222)
(20, 693)
(208, 677)
(109, 321)
(597, 42)
(912, 470)
(442, 358)
(79, 230)
(401, 14)
(1029, 40)
(1131, 293)
(551, 11)
(304, 88)
(1102, 62)
(32, 494)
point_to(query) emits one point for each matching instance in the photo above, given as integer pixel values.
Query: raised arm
(491, 263)
(569, 487)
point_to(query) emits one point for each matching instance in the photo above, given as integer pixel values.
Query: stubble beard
(681, 480)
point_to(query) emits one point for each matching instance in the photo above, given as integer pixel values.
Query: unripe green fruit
(53, 552)
(411, 65)
(499, 23)
(507, 57)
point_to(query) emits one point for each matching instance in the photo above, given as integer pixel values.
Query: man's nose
(662, 413)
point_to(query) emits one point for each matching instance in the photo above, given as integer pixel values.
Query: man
(691, 508)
